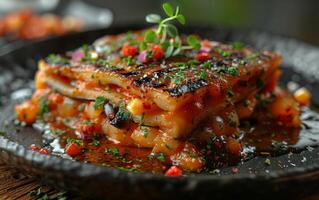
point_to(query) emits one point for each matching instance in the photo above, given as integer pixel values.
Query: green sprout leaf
(171, 30)
(153, 18)
(181, 19)
(142, 46)
(169, 51)
(238, 45)
(193, 42)
(168, 9)
(150, 36)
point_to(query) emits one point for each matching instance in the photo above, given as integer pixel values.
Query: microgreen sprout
(167, 34)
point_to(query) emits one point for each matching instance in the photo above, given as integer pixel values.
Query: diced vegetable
(128, 50)
(303, 96)
(285, 110)
(158, 52)
(73, 149)
(233, 147)
(202, 56)
(27, 112)
(173, 171)
(39, 149)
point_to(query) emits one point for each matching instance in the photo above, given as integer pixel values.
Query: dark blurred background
(295, 18)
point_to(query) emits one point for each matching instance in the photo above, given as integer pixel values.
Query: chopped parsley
(132, 169)
(112, 151)
(57, 59)
(207, 64)
(75, 141)
(128, 60)
(223, 52)
(159, 156)
(57, 132)
(234, 71)
(252, 56)
(44, 106)
(102, 62)
(95, 142)
(99, 103)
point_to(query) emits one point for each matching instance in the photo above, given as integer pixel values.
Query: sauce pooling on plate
(154, 100)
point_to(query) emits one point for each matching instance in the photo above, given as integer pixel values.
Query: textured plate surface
(291, 175)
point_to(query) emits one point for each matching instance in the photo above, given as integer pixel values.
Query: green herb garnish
(75, 141)
(57, 59)
(166, 31)
(112, 151)
(57, 132)
(44, 106)
(99, 103)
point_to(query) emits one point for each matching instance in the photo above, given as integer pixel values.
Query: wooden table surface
(14, 185)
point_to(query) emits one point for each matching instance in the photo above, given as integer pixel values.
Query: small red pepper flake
(73, 149)
(173, 171)
(44, 151)
(203, 56)
(39, 149)
(128, 50)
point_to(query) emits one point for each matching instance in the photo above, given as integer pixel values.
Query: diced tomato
(73, 149)
(128, 50)
(34, 148)
(39, 149)
(158, 52)
(202, 56)
(173, 171)
(44, 151)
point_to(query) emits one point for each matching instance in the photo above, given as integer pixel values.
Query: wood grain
(14, 185)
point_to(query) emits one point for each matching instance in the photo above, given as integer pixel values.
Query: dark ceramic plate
(291, 175)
